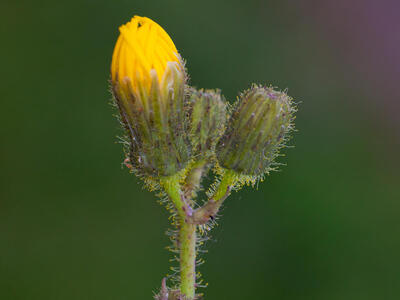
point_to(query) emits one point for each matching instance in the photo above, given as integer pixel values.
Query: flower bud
(256, 130)
(148, 82)
(208, 116)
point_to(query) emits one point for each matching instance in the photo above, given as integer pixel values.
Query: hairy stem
(172, 187)
(187, 243)
(209, 210)
(187, 223)
(227, 182)
(193, 178)
(186, 239)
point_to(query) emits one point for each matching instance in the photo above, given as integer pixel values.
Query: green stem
(187, 238)
(172, 187)
(193, 178)
(187, 243)
(229, 179)
(187, 231)
(209, 210)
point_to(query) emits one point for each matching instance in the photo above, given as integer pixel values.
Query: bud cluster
(174, 134)
(169, 124)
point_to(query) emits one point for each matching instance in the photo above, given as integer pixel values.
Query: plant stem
(187, 230)
(228, 180)
(193, 178)
(186, 238)
(172, 187)
(187, 243)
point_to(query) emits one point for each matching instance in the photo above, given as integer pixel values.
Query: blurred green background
(74, 224)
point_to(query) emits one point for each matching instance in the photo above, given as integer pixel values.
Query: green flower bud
(154, 121)
(208, 116)
(257, 129)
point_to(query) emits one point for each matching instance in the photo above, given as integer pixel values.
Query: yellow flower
(148, 84)
(143, 47)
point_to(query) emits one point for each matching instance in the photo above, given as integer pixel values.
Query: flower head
(143, 47)
(207, 123)
(148, 83)
(256, 131)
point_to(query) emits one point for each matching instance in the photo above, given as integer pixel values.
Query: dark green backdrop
(74, 224)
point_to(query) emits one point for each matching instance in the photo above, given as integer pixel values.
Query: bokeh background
(74, 224)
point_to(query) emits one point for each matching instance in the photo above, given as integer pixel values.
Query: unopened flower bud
(148, 81)
(208, 116)
(256, 130)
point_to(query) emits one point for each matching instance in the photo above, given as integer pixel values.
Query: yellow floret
(142, 46)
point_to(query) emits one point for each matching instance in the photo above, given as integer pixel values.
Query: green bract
(155, 124)
(256, 130)
(207, 124)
